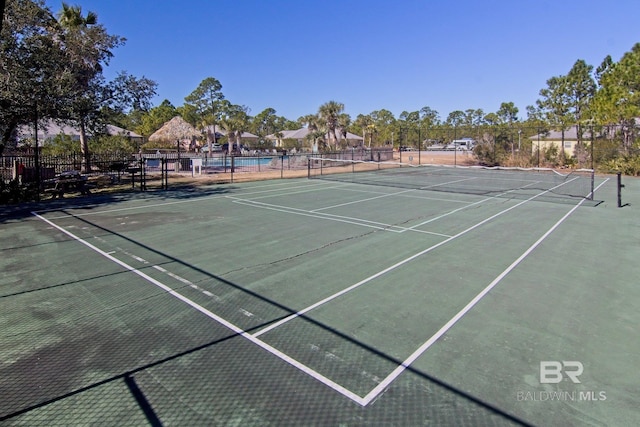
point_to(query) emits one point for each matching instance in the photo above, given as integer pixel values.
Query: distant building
(554, 138)
(300, 135)
(245, 138)
(48, 131)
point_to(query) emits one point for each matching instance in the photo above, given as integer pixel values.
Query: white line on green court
(286, 358)
(178, 202)
(363, 401)
(424, 347)
(328, 217)
(362, 200)
(459, 209)
(414, 195)
(394, 266)
(446, 214)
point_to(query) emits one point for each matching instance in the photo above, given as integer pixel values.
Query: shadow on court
(416, 394)
(147, 361)
(21, 211)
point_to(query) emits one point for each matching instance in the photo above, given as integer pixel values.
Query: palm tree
(235, 122)
(317, 130)
(85, 60)
(365, 122)
(344, 120)
(329, 113)
(71, 17)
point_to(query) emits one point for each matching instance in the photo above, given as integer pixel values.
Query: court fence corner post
(620, 187)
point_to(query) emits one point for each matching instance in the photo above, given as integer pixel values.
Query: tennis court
(321, 302)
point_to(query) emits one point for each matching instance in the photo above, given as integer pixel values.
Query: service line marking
(274, 351)
(424, 347)
(332, 217)
(396, 265)
(363, 401)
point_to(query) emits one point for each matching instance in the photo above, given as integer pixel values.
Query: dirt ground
(412, 157)
(102, 184)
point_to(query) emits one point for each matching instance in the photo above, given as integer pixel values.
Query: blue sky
(402, 55)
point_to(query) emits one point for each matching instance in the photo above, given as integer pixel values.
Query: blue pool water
(238, 161)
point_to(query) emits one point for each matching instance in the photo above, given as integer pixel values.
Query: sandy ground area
(102, 184)
(412, 157)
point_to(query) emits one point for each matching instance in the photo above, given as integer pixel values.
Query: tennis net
(543, 183)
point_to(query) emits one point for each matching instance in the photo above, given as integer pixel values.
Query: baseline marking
(316, 375)
(363, 401)
(193, 200)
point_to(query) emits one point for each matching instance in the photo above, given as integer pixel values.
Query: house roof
(303, 132)
(222, 132)
(51, 129)
(571, 133)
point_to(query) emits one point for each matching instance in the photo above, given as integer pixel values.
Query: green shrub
(627, 165)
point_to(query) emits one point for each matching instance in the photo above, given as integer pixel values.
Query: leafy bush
(628, 165)
(14, 192)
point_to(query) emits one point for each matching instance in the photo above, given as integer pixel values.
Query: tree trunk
(562, 154)
(84, 150)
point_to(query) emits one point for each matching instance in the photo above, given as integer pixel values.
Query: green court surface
(311, 302)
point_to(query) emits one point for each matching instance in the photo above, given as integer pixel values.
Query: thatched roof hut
(176, 129)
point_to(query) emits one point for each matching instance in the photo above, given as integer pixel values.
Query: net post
(309, 168)
(592, 184)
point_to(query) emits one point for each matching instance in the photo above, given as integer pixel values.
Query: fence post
(620, 187)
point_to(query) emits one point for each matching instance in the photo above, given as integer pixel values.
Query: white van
(464, 144)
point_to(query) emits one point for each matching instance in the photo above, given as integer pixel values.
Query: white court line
(319, 377)
(321, 186)
(413, 196)
(316, 375)
(332, 217)
(424, 347)
(363, 200)
(445, 215)
(303, 189)
(394, 266)
(462, 208)
(302, 212)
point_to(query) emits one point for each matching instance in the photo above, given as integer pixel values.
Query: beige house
(301, 136)
(555, 138)
(245, 138)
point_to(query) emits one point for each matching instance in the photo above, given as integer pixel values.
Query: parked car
(236, 149)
